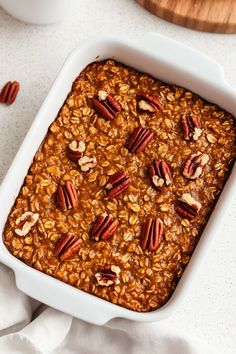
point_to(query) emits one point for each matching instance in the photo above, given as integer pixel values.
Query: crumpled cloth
(28, 327)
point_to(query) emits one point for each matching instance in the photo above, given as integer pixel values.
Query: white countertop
(33, 55)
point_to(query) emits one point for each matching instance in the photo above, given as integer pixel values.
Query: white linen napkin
(26, 327)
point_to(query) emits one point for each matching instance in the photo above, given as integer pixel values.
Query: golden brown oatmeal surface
(147, 278)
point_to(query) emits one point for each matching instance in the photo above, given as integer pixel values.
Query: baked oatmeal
(121, 188)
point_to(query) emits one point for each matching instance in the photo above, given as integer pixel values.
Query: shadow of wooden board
(217, 16)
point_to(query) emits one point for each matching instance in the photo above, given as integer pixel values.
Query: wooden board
(203, 15)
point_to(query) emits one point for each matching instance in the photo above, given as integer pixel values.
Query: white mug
(39, 12)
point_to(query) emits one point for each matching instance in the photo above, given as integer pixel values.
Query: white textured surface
(33, 55)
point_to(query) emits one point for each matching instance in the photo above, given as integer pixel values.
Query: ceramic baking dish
(167, 60)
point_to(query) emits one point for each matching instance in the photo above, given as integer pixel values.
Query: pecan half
(106, 105)
(86, 163)
(152, 234)
(67, 246)
(160, 174)
(188, 207)
(117, 184)
(9, 92)
(25, 222)
(67, 197)
(194, 165)
(75, 150)
(104, 227)
(108, 275)
(191, 127)
(139, 139)
(148, 103)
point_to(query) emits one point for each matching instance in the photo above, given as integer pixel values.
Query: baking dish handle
(62, 296)
(186, 58)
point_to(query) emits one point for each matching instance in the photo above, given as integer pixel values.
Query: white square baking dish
(167, 60)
